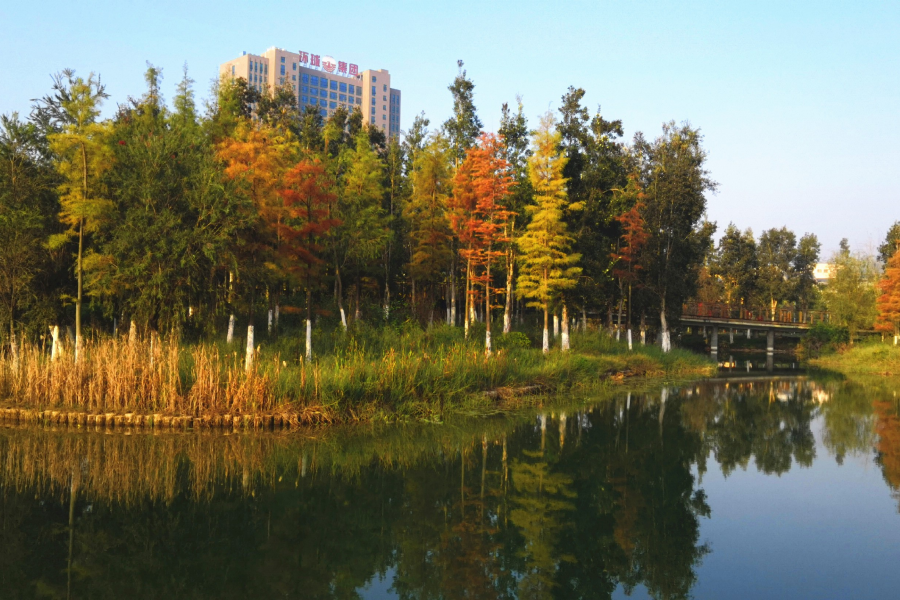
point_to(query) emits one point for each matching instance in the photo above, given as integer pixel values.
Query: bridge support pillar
(770, 350)
(714, 344)
(731, 335)
(748, 333)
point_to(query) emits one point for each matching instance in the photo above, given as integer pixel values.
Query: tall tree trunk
(80, 288)
(546, 341)
(664, 342)
(229, 338)
(248, 357)
(487, 308)
(564, 345)
(453, 284)
(468, 316)
(309, 323)
(510, 273)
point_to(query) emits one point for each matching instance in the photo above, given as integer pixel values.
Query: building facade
(322, 82)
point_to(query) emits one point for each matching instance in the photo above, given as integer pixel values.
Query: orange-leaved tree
(628, 254)
(465, 224)
(888, 302)
(491, 183)
(255, 160)
(305, 219)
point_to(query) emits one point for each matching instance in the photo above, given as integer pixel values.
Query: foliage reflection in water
(577, 503)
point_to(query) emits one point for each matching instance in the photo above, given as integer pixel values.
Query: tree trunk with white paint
(270, 321)
(229, 339)
(665, 343)
(248, 356)
(564, 344)
(54, 344)
(546, 342)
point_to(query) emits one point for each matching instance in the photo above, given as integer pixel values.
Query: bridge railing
(742, 313)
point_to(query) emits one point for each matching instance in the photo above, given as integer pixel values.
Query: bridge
(725, 316)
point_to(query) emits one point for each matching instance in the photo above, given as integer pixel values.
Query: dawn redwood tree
(548, 266)
(464, 127)
(627, 257)
(308, 205)
(364, 229)
(888, 303)
(465, 223)
(515, 137)
(491, 184)
(83, 156)
(255, 159)
(426, 216)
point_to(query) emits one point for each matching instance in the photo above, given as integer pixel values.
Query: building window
(385, 87)
(314, 80)
(373, 111)
(342, 97)
(373, 120)
(343, 87)
(304, 78)
(334, 95)
(373, 90)
(333, 105)
(323, 112)
(350, 99)
(282, 59)
(373, 103)
(384, 108)
(294, 65)
(304, 99)
(352, 87)
(374, 80)
(323, 82)
(294, 77)
(323, 102)
(384, 117)
(358, 91)
(232, 70)
(333, 84)
(282, 69)
(304, 88)
(384, 98)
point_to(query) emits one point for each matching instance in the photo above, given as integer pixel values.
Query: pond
(739, 487)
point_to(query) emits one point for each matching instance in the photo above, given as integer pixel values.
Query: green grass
(871, 358)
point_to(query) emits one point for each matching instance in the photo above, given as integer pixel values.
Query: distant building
(823, 272)
(323, 82)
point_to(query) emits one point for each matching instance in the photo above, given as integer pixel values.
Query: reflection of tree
(888, 447)
(542, 506)
(849, 422)
(770, 424)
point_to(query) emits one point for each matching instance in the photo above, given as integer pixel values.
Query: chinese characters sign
(329, 64)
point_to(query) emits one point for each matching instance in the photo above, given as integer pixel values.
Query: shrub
(822, 338)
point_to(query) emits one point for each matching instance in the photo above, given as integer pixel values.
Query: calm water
(742, 488)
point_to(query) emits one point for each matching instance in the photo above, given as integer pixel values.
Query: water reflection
(568, 503)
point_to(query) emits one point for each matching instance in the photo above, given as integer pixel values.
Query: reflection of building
(823, 272)
(323, 82)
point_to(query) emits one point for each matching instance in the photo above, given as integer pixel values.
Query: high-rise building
(323, 82)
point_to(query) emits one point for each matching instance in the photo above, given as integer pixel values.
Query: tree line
(190, 218)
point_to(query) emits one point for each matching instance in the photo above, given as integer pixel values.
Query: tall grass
(366, 374)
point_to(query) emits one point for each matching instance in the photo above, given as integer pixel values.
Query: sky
(797, 101)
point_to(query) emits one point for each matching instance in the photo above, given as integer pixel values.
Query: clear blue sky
(798, 101)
